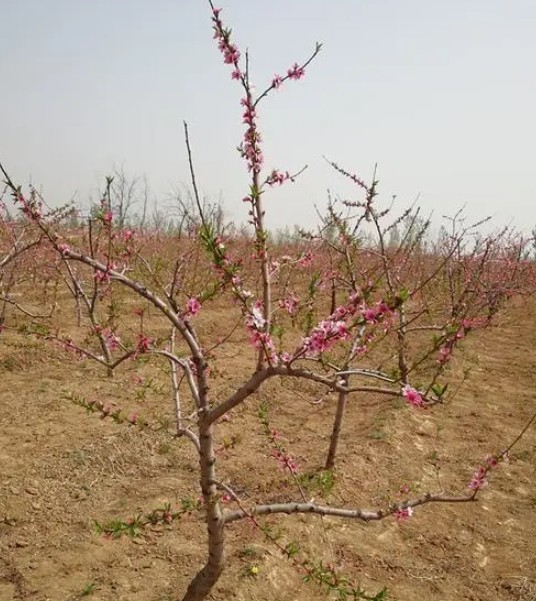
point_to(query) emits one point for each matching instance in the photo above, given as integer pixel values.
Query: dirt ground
(61, 469)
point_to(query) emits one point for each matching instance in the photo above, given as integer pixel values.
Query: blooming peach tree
(349, 313)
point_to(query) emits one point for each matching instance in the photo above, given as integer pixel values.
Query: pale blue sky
(441, 94)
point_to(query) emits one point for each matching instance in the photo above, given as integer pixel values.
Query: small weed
(164, 448)
(9, 364)
(434, 459)
(323, 481)
(378, 434)
(248, 552)
(89, 589)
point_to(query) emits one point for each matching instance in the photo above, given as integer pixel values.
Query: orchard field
(63, 469)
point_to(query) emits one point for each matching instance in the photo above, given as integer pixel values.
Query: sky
(441, 95)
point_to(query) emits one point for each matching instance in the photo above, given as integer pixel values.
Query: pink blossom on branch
(255, 323)
(277, 81)
(104, 276)
(193, 306)
(112, 340)
(324, 337)
(143, 343)
(404, 514)
(376, 312)
(127, 235)
(276, 177)
(296, 72)
(412, 396)
(290, 304)
(305, 259)
(479, 479)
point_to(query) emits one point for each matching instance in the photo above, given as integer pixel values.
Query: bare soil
(61, 469)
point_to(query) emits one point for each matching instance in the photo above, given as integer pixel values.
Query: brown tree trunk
(337, 425)
(206, 578)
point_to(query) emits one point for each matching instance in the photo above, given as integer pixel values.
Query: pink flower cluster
(445, 351)
(324, 336)
(412, 396)
(143, 344)
(255, 324)
(290, 304)
(285, 460)
(231, 54)
(276, 177)
(479, 479)
(295, 72)
(112, 340)
(127, 235)
(102, 277)
(250, 149)
(404, 514)
(193, 306)
(32, 208)
(305, 259)
(375, 313)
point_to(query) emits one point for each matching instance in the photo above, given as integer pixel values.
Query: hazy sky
(442, 95)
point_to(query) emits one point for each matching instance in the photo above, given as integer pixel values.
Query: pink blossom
(277, 81)
(257, 319)
(375, 313)
(143, 343)
(412, 396)
(492, 461)
(305, 259)
(276, 177)
(444, 354)
(339, 313)
(63, 248)
(369, 315)
(286, 358)
(285, 460)
(104, 276)
(255, 323)
(404, 514)
(112, 341)
(290, 304)
(193, 306)
(479, 479)
(324, 336)
(296, 72)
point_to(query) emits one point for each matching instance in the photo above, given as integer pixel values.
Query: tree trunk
(337, 425)
(206, 578)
